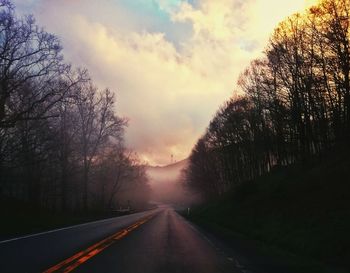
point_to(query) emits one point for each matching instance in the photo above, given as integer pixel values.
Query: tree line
(61, 141)
(290, 106)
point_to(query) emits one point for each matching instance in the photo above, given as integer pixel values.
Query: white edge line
(201, 234)
(60, 229)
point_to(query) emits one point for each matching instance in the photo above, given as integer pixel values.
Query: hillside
(166, 173)
(165, 182)
(303, 210)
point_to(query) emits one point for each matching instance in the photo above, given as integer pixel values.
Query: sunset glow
(172, 62)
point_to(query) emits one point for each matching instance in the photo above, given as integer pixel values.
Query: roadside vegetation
(61, 140)
(273, 163)
(299, 210)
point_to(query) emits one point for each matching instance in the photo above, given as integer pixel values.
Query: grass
(19, 218)
(27, 221)
(304, 211)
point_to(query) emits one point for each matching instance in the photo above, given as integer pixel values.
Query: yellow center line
(81, 257)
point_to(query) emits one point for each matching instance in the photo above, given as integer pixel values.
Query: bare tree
(97, 123)
(294, 107)
(29, 56)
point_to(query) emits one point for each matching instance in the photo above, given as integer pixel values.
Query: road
(154, 241)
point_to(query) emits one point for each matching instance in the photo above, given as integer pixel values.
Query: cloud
(171, 63)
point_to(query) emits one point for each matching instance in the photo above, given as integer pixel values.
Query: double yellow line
(81, 257)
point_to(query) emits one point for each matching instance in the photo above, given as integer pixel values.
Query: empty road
(154, 241)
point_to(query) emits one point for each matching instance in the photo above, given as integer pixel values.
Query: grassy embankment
(302, 210)
(19, 218)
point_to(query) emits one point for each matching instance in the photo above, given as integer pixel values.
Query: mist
(167, 186)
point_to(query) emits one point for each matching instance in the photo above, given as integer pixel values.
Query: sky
(172, 63)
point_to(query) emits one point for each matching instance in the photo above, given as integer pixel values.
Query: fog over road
(154, 241)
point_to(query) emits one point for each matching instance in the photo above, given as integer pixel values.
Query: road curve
(155, 241)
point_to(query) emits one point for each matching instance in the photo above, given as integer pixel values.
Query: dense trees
(61, 142)
(293, 103)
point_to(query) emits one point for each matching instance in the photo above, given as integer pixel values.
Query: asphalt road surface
(155, 241)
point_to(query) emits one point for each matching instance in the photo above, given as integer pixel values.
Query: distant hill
(165, 182)
(166, 174)
(180, 164)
